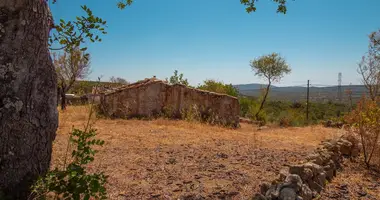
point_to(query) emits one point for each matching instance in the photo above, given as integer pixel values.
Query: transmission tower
(340, 87)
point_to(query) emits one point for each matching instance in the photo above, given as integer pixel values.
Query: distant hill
(296, 93)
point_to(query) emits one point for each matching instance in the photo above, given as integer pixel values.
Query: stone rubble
(305, 181)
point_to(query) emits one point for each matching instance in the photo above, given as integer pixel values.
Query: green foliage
(72, 34)
(245, 104)
(273, 67)
(177, 79)
(250, 5)
(286, 113)
(73, 181)
(219, 87)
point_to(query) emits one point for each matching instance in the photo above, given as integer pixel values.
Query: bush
(365, 122)
(219, 87)
(73, 181)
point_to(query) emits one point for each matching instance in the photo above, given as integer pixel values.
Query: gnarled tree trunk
(28, 113)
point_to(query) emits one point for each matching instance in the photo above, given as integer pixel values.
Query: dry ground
(167, 159)
(354, 181)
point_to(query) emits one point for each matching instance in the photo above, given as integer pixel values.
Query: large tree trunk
(28, 112)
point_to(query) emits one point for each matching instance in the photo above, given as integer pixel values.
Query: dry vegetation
(354, 181)
(166, 159)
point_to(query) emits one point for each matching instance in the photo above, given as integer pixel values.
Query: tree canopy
(273, 67)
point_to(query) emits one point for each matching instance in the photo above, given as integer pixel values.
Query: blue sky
(216, 39)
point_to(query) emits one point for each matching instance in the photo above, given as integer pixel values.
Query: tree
(219, 87)
(369, 67)
(118, 80)
(70, 67)
(177, 79)
(28, 83)
(272, 67)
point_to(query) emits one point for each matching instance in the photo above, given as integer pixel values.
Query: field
(167, 159)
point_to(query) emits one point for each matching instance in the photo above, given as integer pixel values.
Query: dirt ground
(353, 181)
(167, 159)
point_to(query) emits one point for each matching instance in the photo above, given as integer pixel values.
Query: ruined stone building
(153, 97)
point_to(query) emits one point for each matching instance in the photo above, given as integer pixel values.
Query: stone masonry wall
(305, 181)
(154, 97)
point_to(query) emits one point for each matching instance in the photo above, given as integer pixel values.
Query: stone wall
(305, 181)
(150, 98)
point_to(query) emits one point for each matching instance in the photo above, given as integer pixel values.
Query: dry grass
(355, 181)
(165, 159)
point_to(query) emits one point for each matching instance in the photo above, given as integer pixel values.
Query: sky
(217, 39)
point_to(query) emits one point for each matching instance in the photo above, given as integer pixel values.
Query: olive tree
(28, 84)
(272, 67)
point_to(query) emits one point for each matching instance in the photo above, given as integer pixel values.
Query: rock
(264, 187)
(321, 179)
(362, 193)
(306, 171)
(273, 192)
(302, 171)
(316, 169)
(306, 192)
(345, 147)
(315, 158)
(330, 170)
(262, 128)
(294, 181)
(259, 196)
(221, 155)
(284, 172)
(288, 194)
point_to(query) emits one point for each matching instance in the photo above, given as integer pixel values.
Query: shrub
(365, 121)
(219, 87)
(73, 181)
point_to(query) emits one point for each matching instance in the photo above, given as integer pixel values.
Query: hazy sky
(216, 39)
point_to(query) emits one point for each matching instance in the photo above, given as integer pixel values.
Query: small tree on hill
(272, 67)
(177, 79)
(70, 67)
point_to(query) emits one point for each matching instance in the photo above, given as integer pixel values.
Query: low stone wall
(305, 181)
(153, 98)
